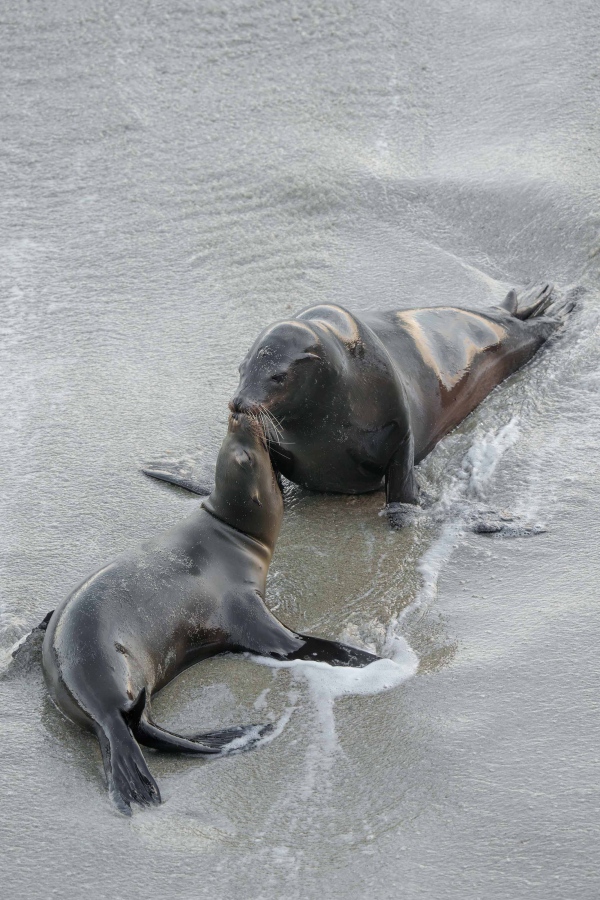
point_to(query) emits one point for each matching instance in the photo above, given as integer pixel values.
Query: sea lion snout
(239, 404)
(246, 422)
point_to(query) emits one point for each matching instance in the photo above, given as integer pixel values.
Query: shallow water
(174, 176)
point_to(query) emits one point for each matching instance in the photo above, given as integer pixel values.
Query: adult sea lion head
(247, 492)
(286, 371)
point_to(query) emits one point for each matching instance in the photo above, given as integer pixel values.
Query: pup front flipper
(335, 653)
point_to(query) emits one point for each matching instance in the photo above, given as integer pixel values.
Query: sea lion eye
(279, 377)
(243, 458)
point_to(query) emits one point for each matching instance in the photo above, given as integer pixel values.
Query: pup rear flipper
(152, 735)
(335, 653)
(188, 473)
(128, 776)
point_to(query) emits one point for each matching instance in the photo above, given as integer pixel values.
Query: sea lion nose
(240, 405)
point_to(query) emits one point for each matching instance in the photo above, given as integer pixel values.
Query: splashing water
(482, 458)
(455, 511)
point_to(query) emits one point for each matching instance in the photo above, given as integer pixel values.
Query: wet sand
(173, 177)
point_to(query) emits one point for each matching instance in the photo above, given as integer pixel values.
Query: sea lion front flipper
(258, 631)
(185, 472)
(400, 482)
(335, 653)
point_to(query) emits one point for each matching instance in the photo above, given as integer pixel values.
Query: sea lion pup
(195, 591)
(353, 403)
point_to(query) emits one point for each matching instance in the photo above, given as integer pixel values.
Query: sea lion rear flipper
(152, 735)
(149, 734)
(186, 472)
(534, 302)
(129, 779)
(531, 303)
(541, 302)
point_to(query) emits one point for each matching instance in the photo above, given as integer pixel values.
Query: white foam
(18, 643)
(326, 684)
(281, 722)
(482, 458)
(330, 682)
(261, 701)
(10, 624)
(251, 736)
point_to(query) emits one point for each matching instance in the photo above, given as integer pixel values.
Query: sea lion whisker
(271, 418)
(264, 433)
(264, 424)
(274, 419)
(276, 428)
(266, 428)
(273, 449)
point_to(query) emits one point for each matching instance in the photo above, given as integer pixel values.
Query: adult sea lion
(195, 591)
(354, 402)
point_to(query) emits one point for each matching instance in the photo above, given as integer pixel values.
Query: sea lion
(352, 403)
(195, 591)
